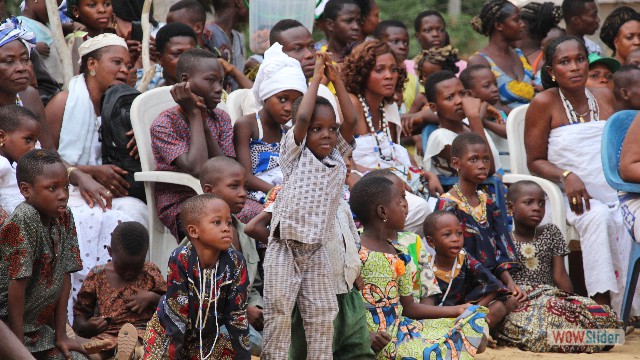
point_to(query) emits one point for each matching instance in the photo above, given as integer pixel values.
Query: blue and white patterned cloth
(11, 29)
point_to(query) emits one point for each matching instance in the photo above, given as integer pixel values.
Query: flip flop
(96, 346)
(127, 341)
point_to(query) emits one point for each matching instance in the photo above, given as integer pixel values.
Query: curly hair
(613, 23)
(358, 66)
(540, 18)
(446, 56)
(493, 11)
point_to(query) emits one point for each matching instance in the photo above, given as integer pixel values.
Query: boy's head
(297, 42)
(207, 221)
(43, 181)
(226, 178)
(470, 156)
(581, 16)
(322, 134)
(626, 87)
(444, 91)
(443, 233)
(633, 58)
(189, 12)
(430, 29)
(128, 250)
(526, 200)
(172, 40)
(342, 21)
(395, 34)
(19, 131)
(601, 71)
(481, 83)
(205, 74)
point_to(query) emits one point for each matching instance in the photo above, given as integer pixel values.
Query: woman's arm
(560, 276)
(31, 100)
(54, 112)
(421, 310)
(242, 136)
(630, 154)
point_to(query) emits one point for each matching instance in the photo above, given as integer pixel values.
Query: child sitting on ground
(207, 287)
(39, 250)
(279, 83)
(185, 136)
(296, 263)
(550, 303)
(446, 331)
(122, 292)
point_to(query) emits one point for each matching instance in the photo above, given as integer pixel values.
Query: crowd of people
(345, 214)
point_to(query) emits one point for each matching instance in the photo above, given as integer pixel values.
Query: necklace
(482, 218)
(513, 234)
(208, 298)
(450, 277)
(379, 136)
(573, 116)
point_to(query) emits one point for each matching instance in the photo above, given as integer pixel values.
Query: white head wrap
(100, 41)
(278, 72)
(11, 29)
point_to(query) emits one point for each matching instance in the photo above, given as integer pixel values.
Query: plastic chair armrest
(170, 177)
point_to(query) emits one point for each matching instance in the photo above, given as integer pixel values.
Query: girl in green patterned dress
(453, 332)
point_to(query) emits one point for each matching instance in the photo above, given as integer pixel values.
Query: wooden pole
(147, 69)
(58, 38)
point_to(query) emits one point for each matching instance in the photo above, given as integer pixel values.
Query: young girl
(38, 252)
(207, 287)
(486, 237)
(550, 302)
(387, 290)
(256, 137)
(95, 15)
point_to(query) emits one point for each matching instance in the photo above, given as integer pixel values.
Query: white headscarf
(278, 72)
(11, 29)
(100, 41)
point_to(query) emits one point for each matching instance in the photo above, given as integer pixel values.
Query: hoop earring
(553, 78)
(92, 73)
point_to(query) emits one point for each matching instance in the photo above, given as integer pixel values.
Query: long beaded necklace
(469, 209)
(384, 125)
(573, 116)
(203, 298)
(450, 277)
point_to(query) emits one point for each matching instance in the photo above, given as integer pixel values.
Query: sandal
(70, 333)
(127, 341)
(96, 346)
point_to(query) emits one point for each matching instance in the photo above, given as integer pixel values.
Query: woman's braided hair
(613, 23)
(492, 12)
(540, 18)
(447, 56)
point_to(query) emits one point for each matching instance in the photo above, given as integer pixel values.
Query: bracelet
(70, 169)
(564, 175)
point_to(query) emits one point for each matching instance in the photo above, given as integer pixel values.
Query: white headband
(278, 72)
(100, 41)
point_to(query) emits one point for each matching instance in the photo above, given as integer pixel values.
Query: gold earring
(1, 144)
(553, 78)
(92, 73)
(384, 220)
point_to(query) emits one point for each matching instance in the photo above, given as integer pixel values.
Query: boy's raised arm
(307, 106)
(349, 117)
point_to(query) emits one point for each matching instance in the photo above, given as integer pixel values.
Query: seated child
(224, 177)
(626, 84)
(207, 288)
(185, 136)
(601, 70)
(38, 252)
(342, 27)
(446, 331)
(125, 290)
(481, 83)
(280, 82)
(429, 61)
(550, 302)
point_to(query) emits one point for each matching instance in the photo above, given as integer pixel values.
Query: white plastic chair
(235, 103)
(144, 110)
(518, 154)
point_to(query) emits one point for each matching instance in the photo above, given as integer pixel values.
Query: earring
(92, 73)
(1, 144)
(553, 78)
(384, 220)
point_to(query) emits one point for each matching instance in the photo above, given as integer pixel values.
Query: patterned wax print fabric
(487, 240)
(513, 92)
(97, 296)
(43, 255)
(170, 138)
(422, 277)
(386, 279)
(193, 301)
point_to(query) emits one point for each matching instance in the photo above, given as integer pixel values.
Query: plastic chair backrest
(234, 103)
(613, 136)
(515, 138)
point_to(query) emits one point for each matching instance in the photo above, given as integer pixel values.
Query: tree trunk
(58, 38)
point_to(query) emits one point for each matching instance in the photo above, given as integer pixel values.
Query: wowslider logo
(571, 337)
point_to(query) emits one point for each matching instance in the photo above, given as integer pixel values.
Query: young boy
(38, 251)
(185, 136)
(342, 26)
(481, 83)
(225, 177)
(207, 288)
(601, 70)
(296, 264)
(626, 88)
(191, 13)
(581, 19)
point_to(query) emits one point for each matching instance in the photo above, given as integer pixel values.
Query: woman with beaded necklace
(562, 140)
(372, 75)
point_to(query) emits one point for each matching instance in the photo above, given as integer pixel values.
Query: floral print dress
(386, 279)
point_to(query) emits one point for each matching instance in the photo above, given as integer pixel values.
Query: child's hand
(517, 292)
(379, 340)
(318, 70)
(433, 183)
(225, 65)
(255, 317)
(359, 283)
(460, 309)
(493, 113)
(474, 108)
(141, 301)
(132, 145)
(67, 345)
(182, 95)
(330, 70)
(95, 325)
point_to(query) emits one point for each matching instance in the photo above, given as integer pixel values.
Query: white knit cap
(100, 41)
(278, 72)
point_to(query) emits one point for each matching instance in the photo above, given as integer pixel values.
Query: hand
(92, 191)
(141, 301)
(43, 49)
(66, 345)
(78, 26)
(494, 113)
(189, 101)
(433, 183)
(474, 108)
(359, 283)
(226, 66)
(517, 292)
(135, 49)
(460, 309)
(329, 70)
(575, 189)
(418, 144)
(111, 177)
(379, 340)
(318, 70)
(132, 145)
(153, 54)
(411, 123)
(95, 325)
(255, 317)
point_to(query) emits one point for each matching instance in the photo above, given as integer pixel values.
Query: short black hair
(386, 173)
(462, 141)
(12, 116)
(550, 51)
(169, 31)
(190, 58)
(214, 169)
(282, 26)
(195, 10)
(515, 190)
(32, 164)
(418, 20)
(429, 224)
(382, 27)
(466, 76)
(367, 194)
(431, 84)
(333, 8)
(571, 8)
(130, 237)
(320, 101)
(623, 78)
(194, 208)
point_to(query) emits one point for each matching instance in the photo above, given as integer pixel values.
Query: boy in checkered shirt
(296, 265)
